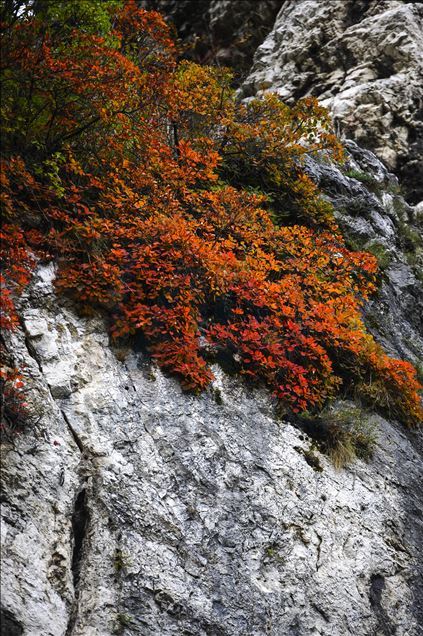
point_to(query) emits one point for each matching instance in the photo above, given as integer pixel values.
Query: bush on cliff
(184, 213)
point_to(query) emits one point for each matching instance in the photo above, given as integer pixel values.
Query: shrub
(16, 413)
(157, 191)
(343, 433)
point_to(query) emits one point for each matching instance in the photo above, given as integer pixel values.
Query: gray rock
(374, 216)
(135, 508)
(364, 61)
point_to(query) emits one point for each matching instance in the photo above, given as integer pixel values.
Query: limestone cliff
(133, 508)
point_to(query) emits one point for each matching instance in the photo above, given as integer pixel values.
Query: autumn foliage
(184, 213)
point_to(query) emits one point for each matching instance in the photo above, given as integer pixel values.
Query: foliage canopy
(186, 214)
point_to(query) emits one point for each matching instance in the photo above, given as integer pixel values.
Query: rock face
(363, 59)
(375, 217)
(133, 508)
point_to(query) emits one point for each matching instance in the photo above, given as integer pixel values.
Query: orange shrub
(157, 191)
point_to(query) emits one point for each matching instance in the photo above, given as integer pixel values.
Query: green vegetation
(377, 248)
(369, 180)
(217, 394)
(121, 622)
(343, 433)
(121, 560)
(272, 553)
(381, 253)
(410, 237)
(310, 456)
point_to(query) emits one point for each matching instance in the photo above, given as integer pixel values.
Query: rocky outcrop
(363, 59)
(225, 32)
(375, 217)
(134, 508)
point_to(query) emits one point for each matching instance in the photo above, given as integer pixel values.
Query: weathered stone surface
(374, 216)
(363, 59)
(191, 515)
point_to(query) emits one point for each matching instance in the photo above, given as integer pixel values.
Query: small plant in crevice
(217, 394)
(310, 456)
(343, 433)
(121, 622)
(17, 414)
(419, 369)
(272, 554)
(364, 177)
(410, 237)
(121, 560)
(411, 241)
